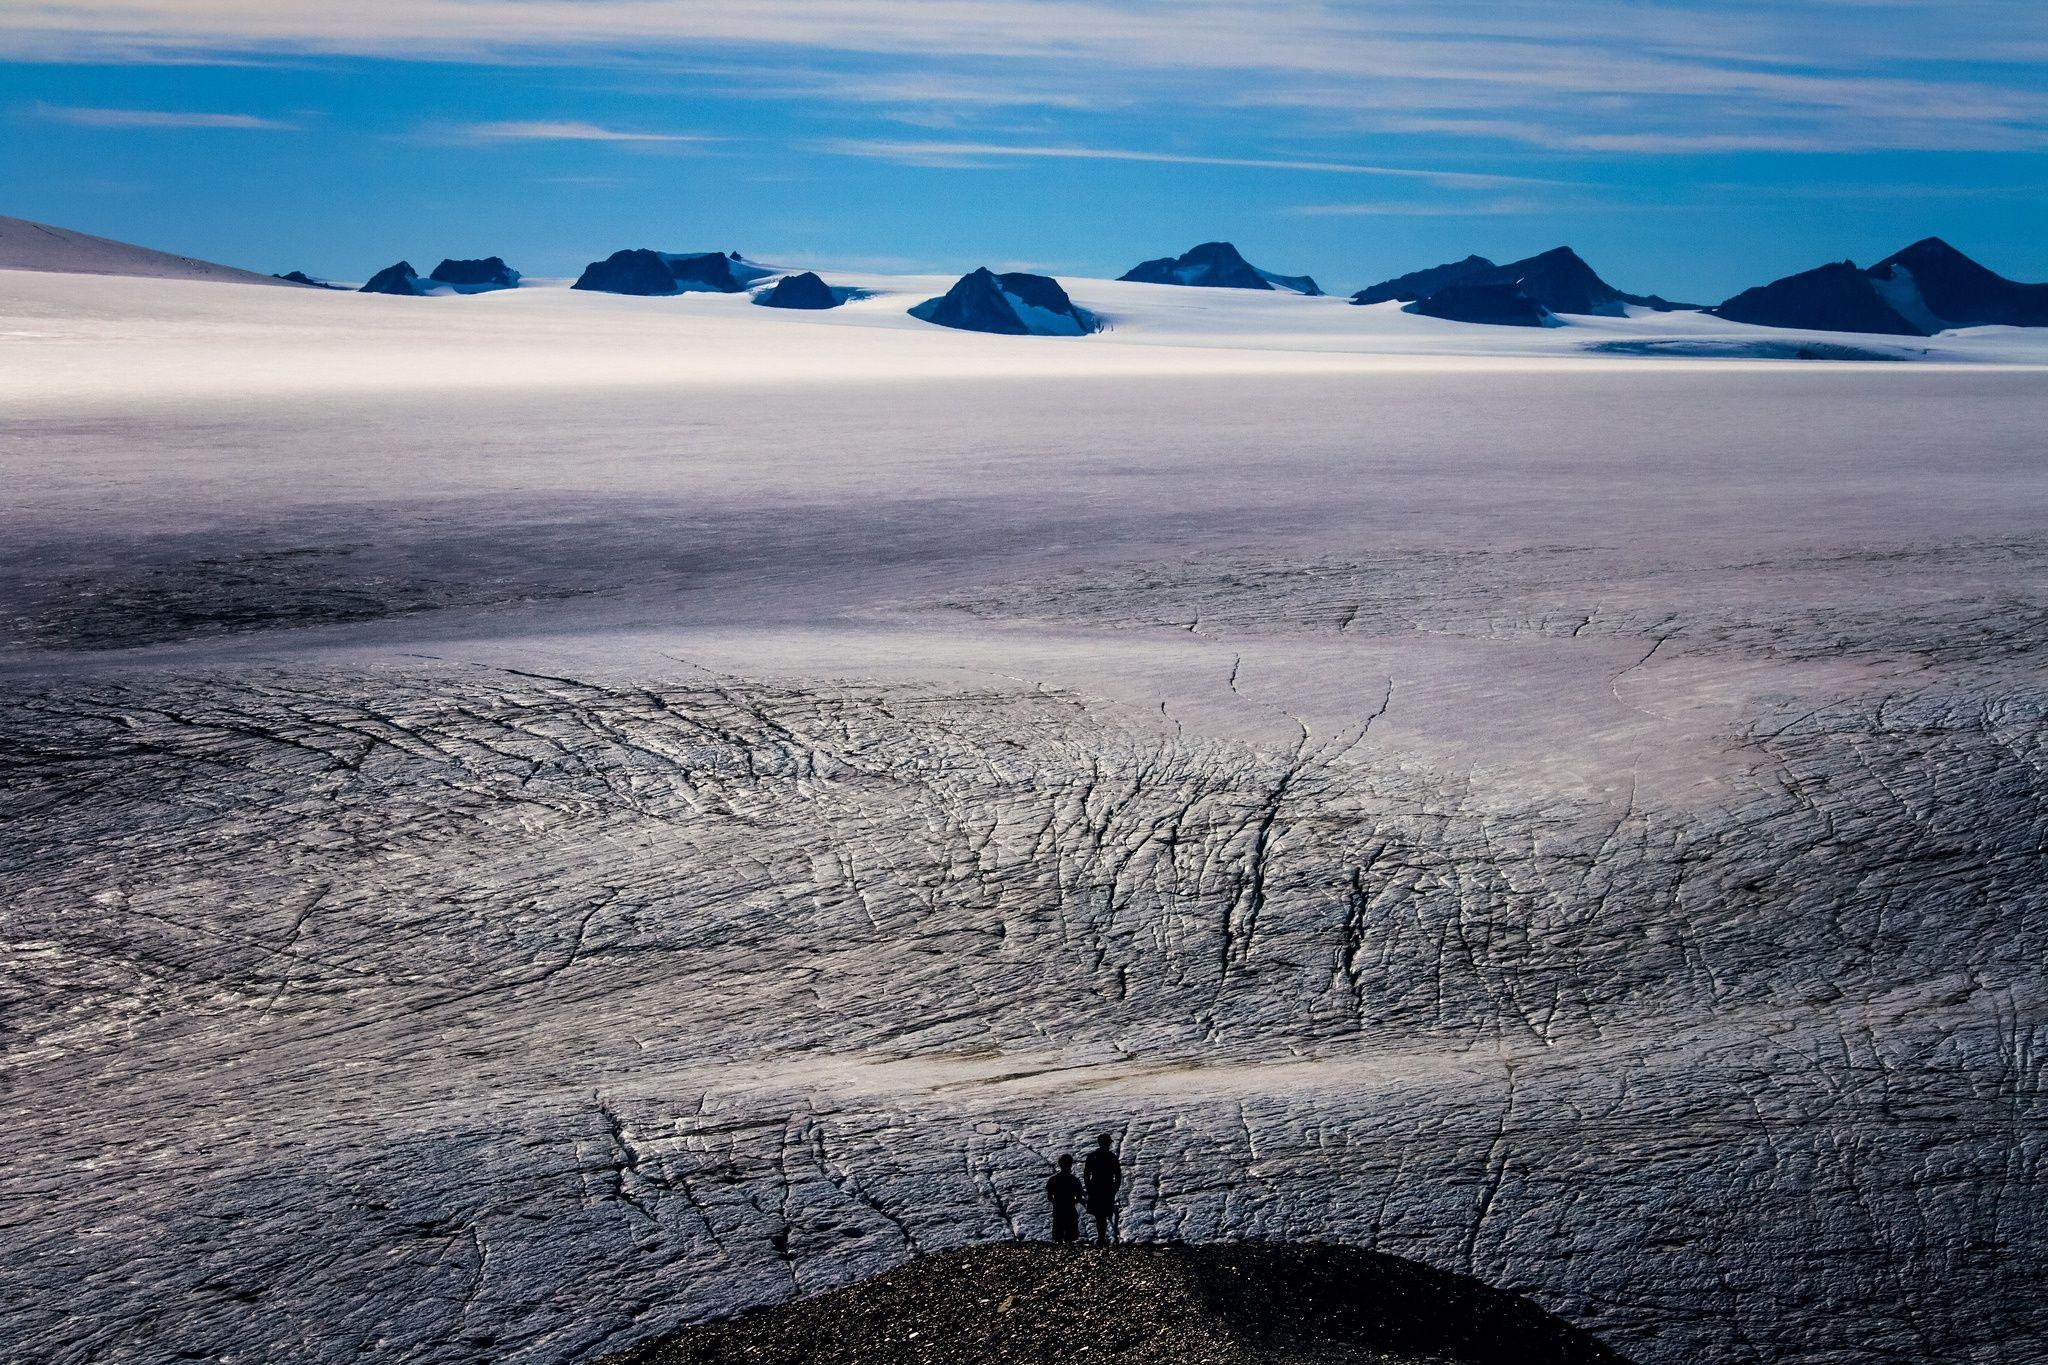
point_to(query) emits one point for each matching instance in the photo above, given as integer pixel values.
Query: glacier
(538, 817)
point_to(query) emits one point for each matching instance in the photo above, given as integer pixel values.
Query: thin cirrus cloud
(1619, 77)
(567, 130)
(982, 155)
(86, 117)
(1486, 208)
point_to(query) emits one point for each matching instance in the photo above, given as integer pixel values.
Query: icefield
(538, 817)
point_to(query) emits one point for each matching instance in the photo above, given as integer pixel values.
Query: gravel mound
(1188, 1305)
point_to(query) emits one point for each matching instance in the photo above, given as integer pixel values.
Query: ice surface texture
(568, 860)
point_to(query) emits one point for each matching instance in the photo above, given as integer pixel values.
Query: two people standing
(1101, 1180)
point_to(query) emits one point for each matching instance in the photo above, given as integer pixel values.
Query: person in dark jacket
(1105, 1178)
(1066, 1192)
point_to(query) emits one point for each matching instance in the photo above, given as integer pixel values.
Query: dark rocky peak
(1014, 304)
(399, 279)
(1418, 284)
(489, 273)
(708, 271)
(1561, 281)
(1495, 303)
(641, 271)
(1216, 265)
(805, 290)
(1950, 288)
(634, 271)
(1831, 298)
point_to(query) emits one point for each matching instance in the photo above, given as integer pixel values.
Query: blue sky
(1686, 148)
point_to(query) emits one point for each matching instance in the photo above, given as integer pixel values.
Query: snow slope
(37, 246)
(538, 816)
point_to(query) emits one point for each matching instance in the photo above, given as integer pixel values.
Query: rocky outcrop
(477, 276)
(641, 271)
(1013, 304)
(1216, 265)
(1832, 298)
(1929, 287)
(805, 290)
(1281, 1303)
(301, 277)
(1419, 284)
(1497, 305)
(1934, 278)
(637, 271)
(1558, 279)
(399, 279)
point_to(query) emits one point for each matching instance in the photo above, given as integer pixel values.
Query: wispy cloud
(156, 118)
(981, 155)
(1617, 77)
(1486, 208)
(564, 130)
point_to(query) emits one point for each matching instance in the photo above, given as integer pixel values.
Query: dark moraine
(1022, 1304)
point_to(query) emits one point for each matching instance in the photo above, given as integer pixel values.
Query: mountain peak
(1216, 265)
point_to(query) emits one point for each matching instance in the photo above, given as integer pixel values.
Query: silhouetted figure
(1066, 1192)
(1105, 1177)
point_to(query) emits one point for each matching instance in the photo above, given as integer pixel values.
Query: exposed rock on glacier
(1276, 1303)
(642, 271)
(804, 290)
(1419, 284)
(1831, 298)
(400, 279)
(1013, 304)
(1928, 288)
(1957, 291)
(477, 276)
(1501, 305)
(1216, 265)
(1559, 280)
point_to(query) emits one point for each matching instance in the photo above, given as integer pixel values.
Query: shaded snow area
(537, 818)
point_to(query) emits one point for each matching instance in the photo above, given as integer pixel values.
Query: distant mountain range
(1928, 288)
(1216, 265)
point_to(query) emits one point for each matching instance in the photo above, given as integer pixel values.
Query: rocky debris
(476, 276)
(301, 277)
(1279, 1303)
(1830, 298)
(641, 271)
(1216, 265)
(1558, 279)
(804, 290)
(1013, 304)
(1496, 304)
